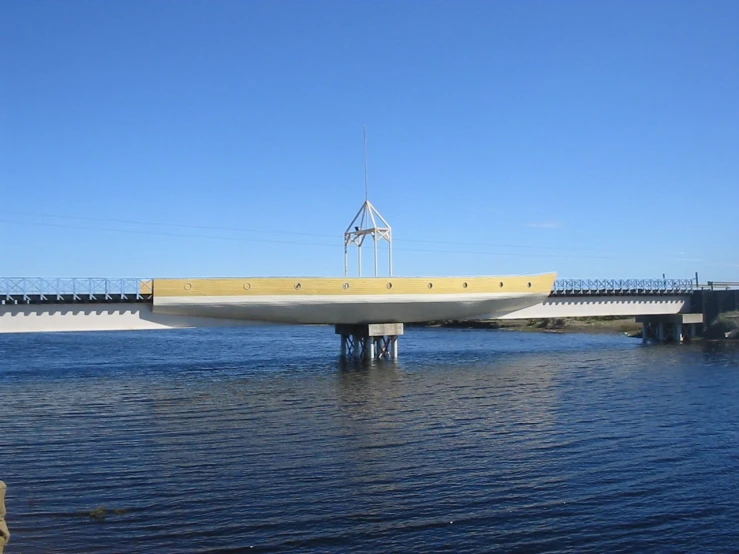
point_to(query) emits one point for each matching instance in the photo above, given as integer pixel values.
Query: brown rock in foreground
(4, 532)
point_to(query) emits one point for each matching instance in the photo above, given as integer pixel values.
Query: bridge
(667, 308)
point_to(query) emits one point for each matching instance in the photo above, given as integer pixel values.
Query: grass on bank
(724, 326)
(608, 324)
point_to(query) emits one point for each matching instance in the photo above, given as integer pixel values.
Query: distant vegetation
(724, 326)
(584, 324)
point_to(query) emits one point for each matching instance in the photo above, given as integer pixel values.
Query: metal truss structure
(39, 290)
(372, 341)
(369, 348)
(617, 287)
(368, 223)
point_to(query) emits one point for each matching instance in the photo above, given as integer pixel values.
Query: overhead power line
(288, 233)
(275, 241)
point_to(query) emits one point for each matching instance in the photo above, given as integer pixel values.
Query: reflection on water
(261, 437)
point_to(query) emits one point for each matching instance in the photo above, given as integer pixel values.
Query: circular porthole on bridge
(389, 285)
(430, 285)
(464, 285)
(188, 286)
(500, 284)
(345, 286)
(529, 285)
(246, 286)
(298, 286)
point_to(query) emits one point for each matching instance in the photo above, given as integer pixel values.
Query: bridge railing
(604, 287)
(721, 285)
(75, 289)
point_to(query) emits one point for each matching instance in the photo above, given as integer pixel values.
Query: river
(260, 439)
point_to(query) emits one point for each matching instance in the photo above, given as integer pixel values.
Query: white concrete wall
(36, 318)
(596, 306)
(41, 318)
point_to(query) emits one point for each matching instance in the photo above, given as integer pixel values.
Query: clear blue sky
(595, 139)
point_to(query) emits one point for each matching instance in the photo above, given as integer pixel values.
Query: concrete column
(344, 340)
(644, 332)
(679, 332)
(661, 331)
(4, 532)
(370, 351)
(692, 328)
(395, 347)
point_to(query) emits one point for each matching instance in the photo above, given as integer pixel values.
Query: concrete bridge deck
(558, 307)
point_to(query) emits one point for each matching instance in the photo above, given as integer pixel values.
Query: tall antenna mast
(367, 223)
(366, 188)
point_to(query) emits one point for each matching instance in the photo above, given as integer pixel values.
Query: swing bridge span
(669, 309)
(103, 304)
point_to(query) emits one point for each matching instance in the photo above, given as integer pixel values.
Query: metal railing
(721, 285)
(74, 289)
(602, 287)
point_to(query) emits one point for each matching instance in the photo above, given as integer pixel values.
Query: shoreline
(726, 327)
(620, 325)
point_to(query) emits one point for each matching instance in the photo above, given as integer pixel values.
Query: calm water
(220, 441)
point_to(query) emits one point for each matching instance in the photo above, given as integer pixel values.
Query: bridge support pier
(669, 327)
(679, 332)
(371, 341)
